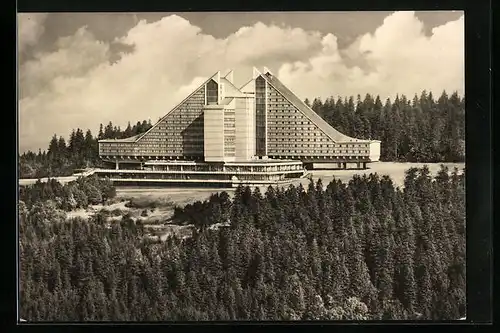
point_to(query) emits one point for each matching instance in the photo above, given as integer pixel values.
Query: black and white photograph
(241, 166)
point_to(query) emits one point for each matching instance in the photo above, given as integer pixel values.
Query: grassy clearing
(149, 202)
(153, 207)
(175, 196)
(110, 210)
(183, 196)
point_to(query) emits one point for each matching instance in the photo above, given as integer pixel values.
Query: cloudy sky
(80, 70)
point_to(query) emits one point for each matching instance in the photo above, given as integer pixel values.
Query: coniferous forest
(365, 249)
(81, 151)
(73, 195)
(423, 129)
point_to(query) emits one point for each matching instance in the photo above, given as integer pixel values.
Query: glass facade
(282, 129)
(179, 134)
(206, 171)
(291, 133)
(212, 92)
(229, 133)
(260, 116)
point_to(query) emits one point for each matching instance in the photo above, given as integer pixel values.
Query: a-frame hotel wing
(219, 122)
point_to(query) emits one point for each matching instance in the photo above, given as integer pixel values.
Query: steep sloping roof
(138, 137)
(331, 132)
(248, 87)
(129, 139)
(230, 89)
(230, 76)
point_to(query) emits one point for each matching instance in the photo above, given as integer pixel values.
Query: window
(212, 92)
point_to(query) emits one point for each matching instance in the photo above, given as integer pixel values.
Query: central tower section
(229, 121)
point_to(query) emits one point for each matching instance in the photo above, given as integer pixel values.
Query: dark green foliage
(362, 250)
(203, 214)
(82, 151)
(422, 130)
(117, 212)
(75, 194)
(148, 203)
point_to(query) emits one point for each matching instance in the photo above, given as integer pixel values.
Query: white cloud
(77, 86)
(398, 55)
(74, 57)
(30, 28)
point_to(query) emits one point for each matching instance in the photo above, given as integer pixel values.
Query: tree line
(75, 194)
(81, 151)
(418, 130)
(203, 214)
(364, 249)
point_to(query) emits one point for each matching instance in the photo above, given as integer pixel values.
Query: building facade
(219, 123)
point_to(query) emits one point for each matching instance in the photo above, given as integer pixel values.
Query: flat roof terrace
(229, 163)
(188, 172)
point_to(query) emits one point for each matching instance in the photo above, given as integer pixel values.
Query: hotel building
(259, 133)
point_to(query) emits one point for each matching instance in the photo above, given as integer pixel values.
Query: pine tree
(402, 258)
(90, 150)
(317, 106)
(100, 135)
(72, 146)
(128, 131)
(53, 150)
(108, 131)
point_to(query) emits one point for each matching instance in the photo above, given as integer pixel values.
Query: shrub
(147, 203)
